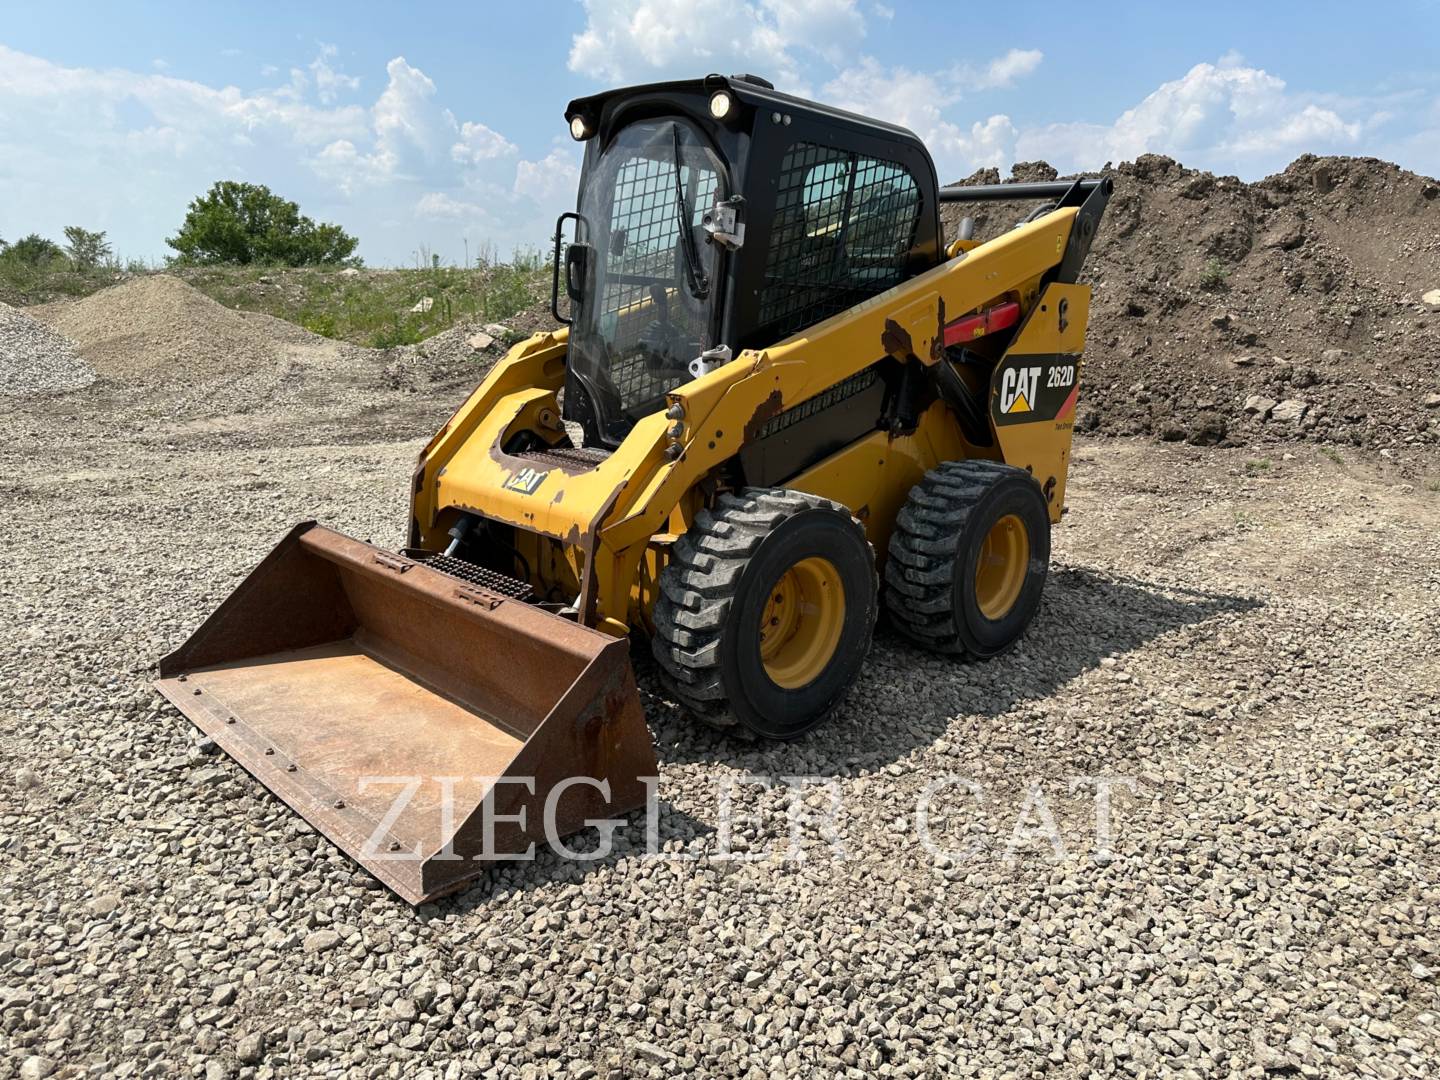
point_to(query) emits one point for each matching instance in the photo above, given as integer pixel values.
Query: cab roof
(748, 90)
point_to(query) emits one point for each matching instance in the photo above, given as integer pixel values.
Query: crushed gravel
(34, 359)
(1255, 650)
(1244, 644)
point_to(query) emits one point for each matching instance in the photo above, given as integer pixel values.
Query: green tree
(34, 250)
(248, 223)
(86, 249)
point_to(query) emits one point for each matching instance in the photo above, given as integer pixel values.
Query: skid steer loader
(780, 403)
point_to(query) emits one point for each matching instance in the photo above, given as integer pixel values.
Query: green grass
(22, 283)
(374, 307)
(1333, 454)
(1256, 466)
(367, 307)
(1214, 275)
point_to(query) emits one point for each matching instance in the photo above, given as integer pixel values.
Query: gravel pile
(159, 324)
(1290, 308)
(178, 364)
(34, 359)
(1252, 647)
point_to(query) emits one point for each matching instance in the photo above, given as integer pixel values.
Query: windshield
(649, 298)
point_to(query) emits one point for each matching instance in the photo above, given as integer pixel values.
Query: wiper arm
(694, 272)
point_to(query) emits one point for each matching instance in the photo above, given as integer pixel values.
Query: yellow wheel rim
(800, 627)
(1002, 566)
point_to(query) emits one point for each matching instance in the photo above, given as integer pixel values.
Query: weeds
(1256, 466)
(1214, 275)
(364, 307)
(1432, 485)
(1333, 454)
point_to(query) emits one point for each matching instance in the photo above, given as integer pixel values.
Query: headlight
(579, 129)
(720, 104)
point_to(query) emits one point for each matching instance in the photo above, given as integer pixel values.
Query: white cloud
(1216, 116)
(438, 206)
(407, 123)
(1003, 71)
(636, 40)
(552, 180)
(919, 100)
(478, 143)
(330, 81)
(158, 141)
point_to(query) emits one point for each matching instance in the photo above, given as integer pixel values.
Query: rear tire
(968, 558)
(766, 611)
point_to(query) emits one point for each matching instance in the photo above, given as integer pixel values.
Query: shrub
(34, 250)
(248, 223)
(1214, 274)
(86, 249)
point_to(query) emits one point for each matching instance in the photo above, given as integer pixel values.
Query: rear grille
(571, 459)
(468, 572)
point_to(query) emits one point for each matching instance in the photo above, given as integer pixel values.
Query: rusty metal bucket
(410, 717)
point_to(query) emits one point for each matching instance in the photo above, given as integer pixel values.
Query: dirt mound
(160, 323)
(1235, 312)
(182, 355)
(34, 359)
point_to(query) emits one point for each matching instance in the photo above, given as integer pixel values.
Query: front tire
(766, 611)
(969, 558)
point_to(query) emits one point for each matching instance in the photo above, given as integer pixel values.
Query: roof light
(579, 129)
(720, 104)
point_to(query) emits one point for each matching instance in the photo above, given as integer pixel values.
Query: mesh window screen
(843, 228)
(644, 235)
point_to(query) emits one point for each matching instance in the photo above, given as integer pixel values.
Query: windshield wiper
(699, 285)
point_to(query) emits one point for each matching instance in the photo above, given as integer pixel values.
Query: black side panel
(813, 430)
(1087, 223)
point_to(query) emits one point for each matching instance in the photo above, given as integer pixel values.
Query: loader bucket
(409, 716)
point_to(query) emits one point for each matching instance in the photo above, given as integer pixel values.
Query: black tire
(718, 587)
(931, 590)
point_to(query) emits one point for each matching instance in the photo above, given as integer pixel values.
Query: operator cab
(716, 215)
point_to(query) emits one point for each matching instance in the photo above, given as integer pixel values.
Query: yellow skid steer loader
(780, 403)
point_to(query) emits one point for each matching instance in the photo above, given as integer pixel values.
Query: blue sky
(440, 124)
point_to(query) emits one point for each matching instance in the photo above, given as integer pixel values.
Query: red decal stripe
(1000, 317)
(1069, 406)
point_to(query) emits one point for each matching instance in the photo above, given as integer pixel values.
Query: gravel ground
(34, 359)
(1251, 643)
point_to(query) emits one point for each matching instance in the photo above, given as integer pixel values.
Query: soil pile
(1300, 306)
(159, 323)
(34, 359)
(173, 352)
